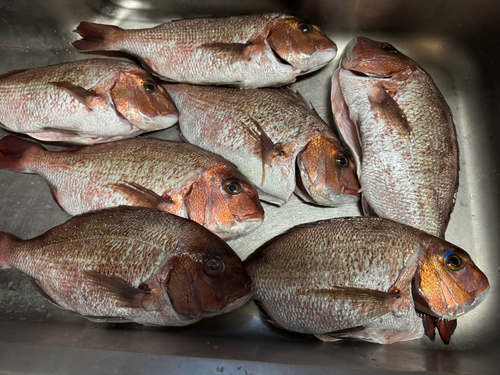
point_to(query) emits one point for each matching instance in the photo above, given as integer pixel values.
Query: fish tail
(5, 243)
(95, 37)
(14, 152)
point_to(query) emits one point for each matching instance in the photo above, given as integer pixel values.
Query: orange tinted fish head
(326, 174)
(300, 44)
(448, 283)
(225, 202)
(374, 59)
(205, 277)
(139, 98)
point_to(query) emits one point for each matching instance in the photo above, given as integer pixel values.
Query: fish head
(225, 202)
(448, 283)
(139, 98)
(300, 44)
(205, 277)
(326, 174)
(374, 59)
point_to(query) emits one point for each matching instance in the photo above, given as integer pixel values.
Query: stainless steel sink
(456, 41)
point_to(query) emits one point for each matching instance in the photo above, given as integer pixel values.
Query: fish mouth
(255, 216)
(327, 46)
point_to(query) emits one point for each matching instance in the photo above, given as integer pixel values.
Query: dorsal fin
(12, 73)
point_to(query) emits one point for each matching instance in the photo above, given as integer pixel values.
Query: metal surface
(455, 41)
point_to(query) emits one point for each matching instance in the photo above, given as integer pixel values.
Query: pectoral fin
(84, 96)
(389, 111)
(268, 148)
(236, 49)
(381, 303)
(118, 289)
(138, 195)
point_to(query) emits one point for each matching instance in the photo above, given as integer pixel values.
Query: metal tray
(455, 41)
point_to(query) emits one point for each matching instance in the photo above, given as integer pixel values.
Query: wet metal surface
(455, 41)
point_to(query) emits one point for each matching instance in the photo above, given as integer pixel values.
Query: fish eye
(388, 48)
(342, 161)
(232, 187)
(214, 266)
(149, 86)
(304, 27)
(453, 261)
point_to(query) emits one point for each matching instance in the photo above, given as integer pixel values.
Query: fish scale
(356, 274)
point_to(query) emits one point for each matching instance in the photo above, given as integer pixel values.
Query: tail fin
(14, 152)
(96, 37)
(5, 241)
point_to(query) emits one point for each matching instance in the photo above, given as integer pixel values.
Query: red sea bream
(362, 278)
(274, 137)
(86, 102)
(245, 51)
(401, 133)
(132, 264)
(173, 176)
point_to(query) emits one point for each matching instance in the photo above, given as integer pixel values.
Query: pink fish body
(360, 278)
(174, 176)
(401, 133)
(132, 264)
(274, 137)
(246, 51)
(86, 102)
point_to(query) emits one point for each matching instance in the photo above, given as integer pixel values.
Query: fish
(362, 278)
(172, 176)
(132, 264)
(244, 51)
(274, 137)
(84, 102)
(401, 133)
